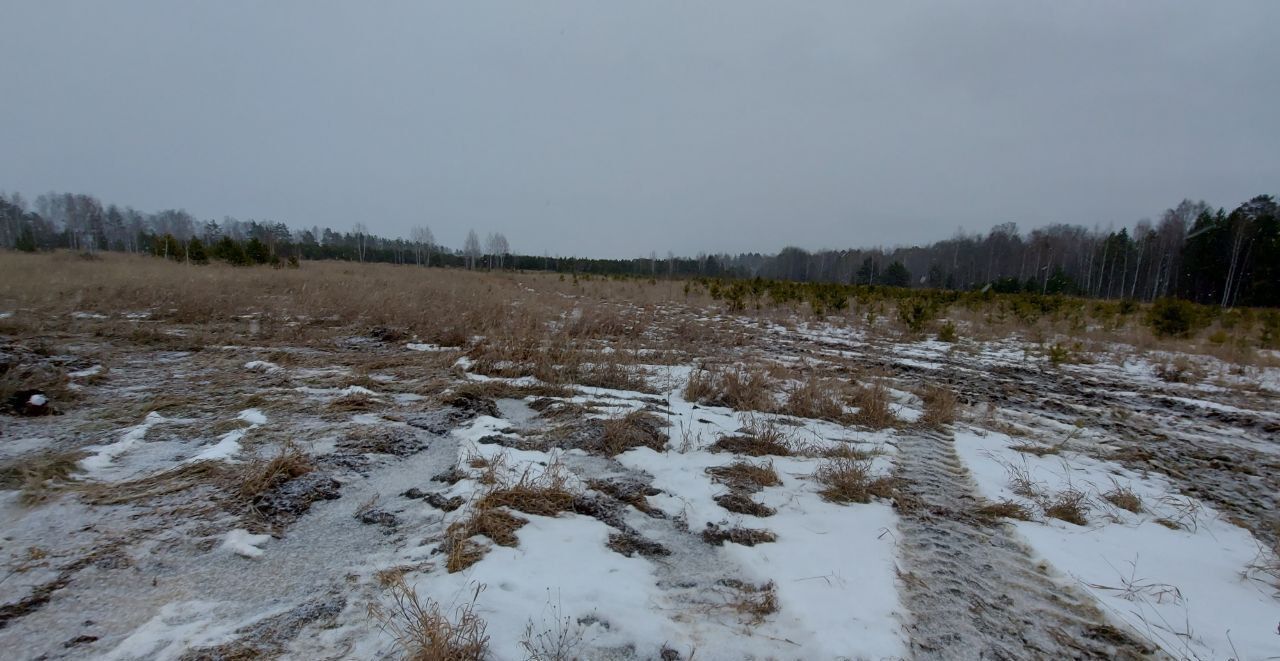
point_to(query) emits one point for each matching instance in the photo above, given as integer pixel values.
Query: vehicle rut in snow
(973, 590)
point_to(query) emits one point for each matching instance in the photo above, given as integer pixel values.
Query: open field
(349, 461)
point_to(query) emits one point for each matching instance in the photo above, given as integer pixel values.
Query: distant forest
(1193, 251)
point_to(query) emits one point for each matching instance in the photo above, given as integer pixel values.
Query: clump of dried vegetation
(1004, 509)
(736, 387)
(846, 480)
(1124, 498)
(38, 476)
(544, 494)
(759, 437)
(939, 406)
(259, 475)
(872, 403)
(1070, 506)
(635, 429)
(815, 398)
(746, 476)
(753, 602)
(425, 631)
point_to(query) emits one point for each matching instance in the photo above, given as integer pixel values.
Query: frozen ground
(156, 547)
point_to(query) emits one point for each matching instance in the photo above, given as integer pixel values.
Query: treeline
(1192, 251)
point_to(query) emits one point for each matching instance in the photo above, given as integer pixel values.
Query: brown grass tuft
(1037, 450)
(1004, 509)
(939, 406)
(814, 398)
(1125, 499)
(39, 476)
(746, 476)
(259, 476)
(850, 481)
(872, 403)
(425, 632)
(740, 503)
(1070, 506)
(498, 525)
(739, 388)
(635, 429)
(753, 602)
(544, 495)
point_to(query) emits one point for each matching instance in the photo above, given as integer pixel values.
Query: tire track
(973, 589)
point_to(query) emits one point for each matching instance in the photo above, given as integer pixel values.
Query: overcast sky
(617, 128)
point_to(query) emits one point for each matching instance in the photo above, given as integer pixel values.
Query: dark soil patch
(717, 536)
(290, 500)
(383, 440)
(439, 502)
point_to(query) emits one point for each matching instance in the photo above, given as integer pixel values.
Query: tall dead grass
(742, 388)
(425, 631)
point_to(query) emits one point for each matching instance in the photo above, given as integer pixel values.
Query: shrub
(947, 333)
(1172, 317)
(915, 313)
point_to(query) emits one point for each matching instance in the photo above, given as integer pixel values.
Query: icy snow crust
(179, 575)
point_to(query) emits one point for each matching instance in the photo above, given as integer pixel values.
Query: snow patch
(1187, 589)
(416, 346)
(105, 454)
(244, 543)
(252, 416)
(85, 373)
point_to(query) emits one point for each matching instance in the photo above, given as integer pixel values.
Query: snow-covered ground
(158, 546)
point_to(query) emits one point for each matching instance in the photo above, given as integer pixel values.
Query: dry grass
(174, 480)
(815, 398)
(545, 495)
(426, 632)
(939, 406)
(39, 476)
(28, 372)
(1180, 370)
(1070, 506)
(258, 475)
(354, 403)
(759, 437)
(850, 481)
(751, 446)
(737, 387)
(746, 476)
(1022, 484)
(1125, 499)
(508, 390)
(740, 503)
(1037, 450)
(635, 429)
(1004, 509)
(753, 602)
(498, 525)
(873, 407)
